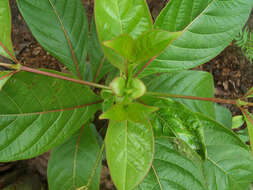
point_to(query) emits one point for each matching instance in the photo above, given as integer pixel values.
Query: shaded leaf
(115, 17)
(237, 121)
(4, 77)
(129, 152)
(5, 28)
(76, 163)
(249, 120)
(209, 26)
(39, 112)
(56, 27)
(223, 116)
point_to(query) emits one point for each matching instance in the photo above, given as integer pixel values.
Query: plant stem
(217, 100)
(145, 66)
(24, 68)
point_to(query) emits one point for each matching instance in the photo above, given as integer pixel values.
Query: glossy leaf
(129, 152)
(223, 116)
(208, 27)
(5, 31)
(56, 27)
(191, 83)
(146, 46)
(76, 164)
(115, 17)
(100, 66)
(4, 77)
(39, 112)
(175, 167)
(229, 163)
(178, 121)
(134, 112)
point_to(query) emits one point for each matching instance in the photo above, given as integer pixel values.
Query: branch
(24, 68)
(217, 100)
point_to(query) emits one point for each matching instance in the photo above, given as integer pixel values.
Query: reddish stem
(9, 53)
(24, 68)
(145, 66)
(13, 72)
(217, 100)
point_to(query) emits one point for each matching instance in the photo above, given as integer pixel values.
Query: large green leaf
(249, 120)
(191, 83)
(115, 17)
(5, 28)
(176, 120)
(100, 66)
(39, 112)
(129, 152)
(146, 46)
(208, 27)
(229, 163)
(76, 163)
(61, 27)
(223, 116)
(175, 167)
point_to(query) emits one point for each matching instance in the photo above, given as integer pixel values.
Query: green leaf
(134, 112)
(115, 17)
(208, 27)
(129, 152)
(178, 121)
(76, 163)
(4, 77)
(249, 120)
(175, 167)
(5, 28)
(223, 116)
(56, 27)
(237, 121)
(191, 83)
(100, 66)
(39, 112)
(146, 46)
(229, 163)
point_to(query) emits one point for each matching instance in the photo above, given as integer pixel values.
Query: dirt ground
(232, 72)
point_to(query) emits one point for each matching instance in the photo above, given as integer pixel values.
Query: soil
(232, 74)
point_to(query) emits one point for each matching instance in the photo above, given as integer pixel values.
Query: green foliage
(183, 141)
(244, 40)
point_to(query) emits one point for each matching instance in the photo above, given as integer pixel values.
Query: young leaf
(129, 152)
(39, 112)
(237, 121)
(4, 77)
(175, 167)
(146, 46)
(134, 112)
(56, 27)
(5, 32)
(208, 27)
(76, 163)
(115, 17)
(191, 83)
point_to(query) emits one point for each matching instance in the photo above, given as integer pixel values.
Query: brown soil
(232, 74)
